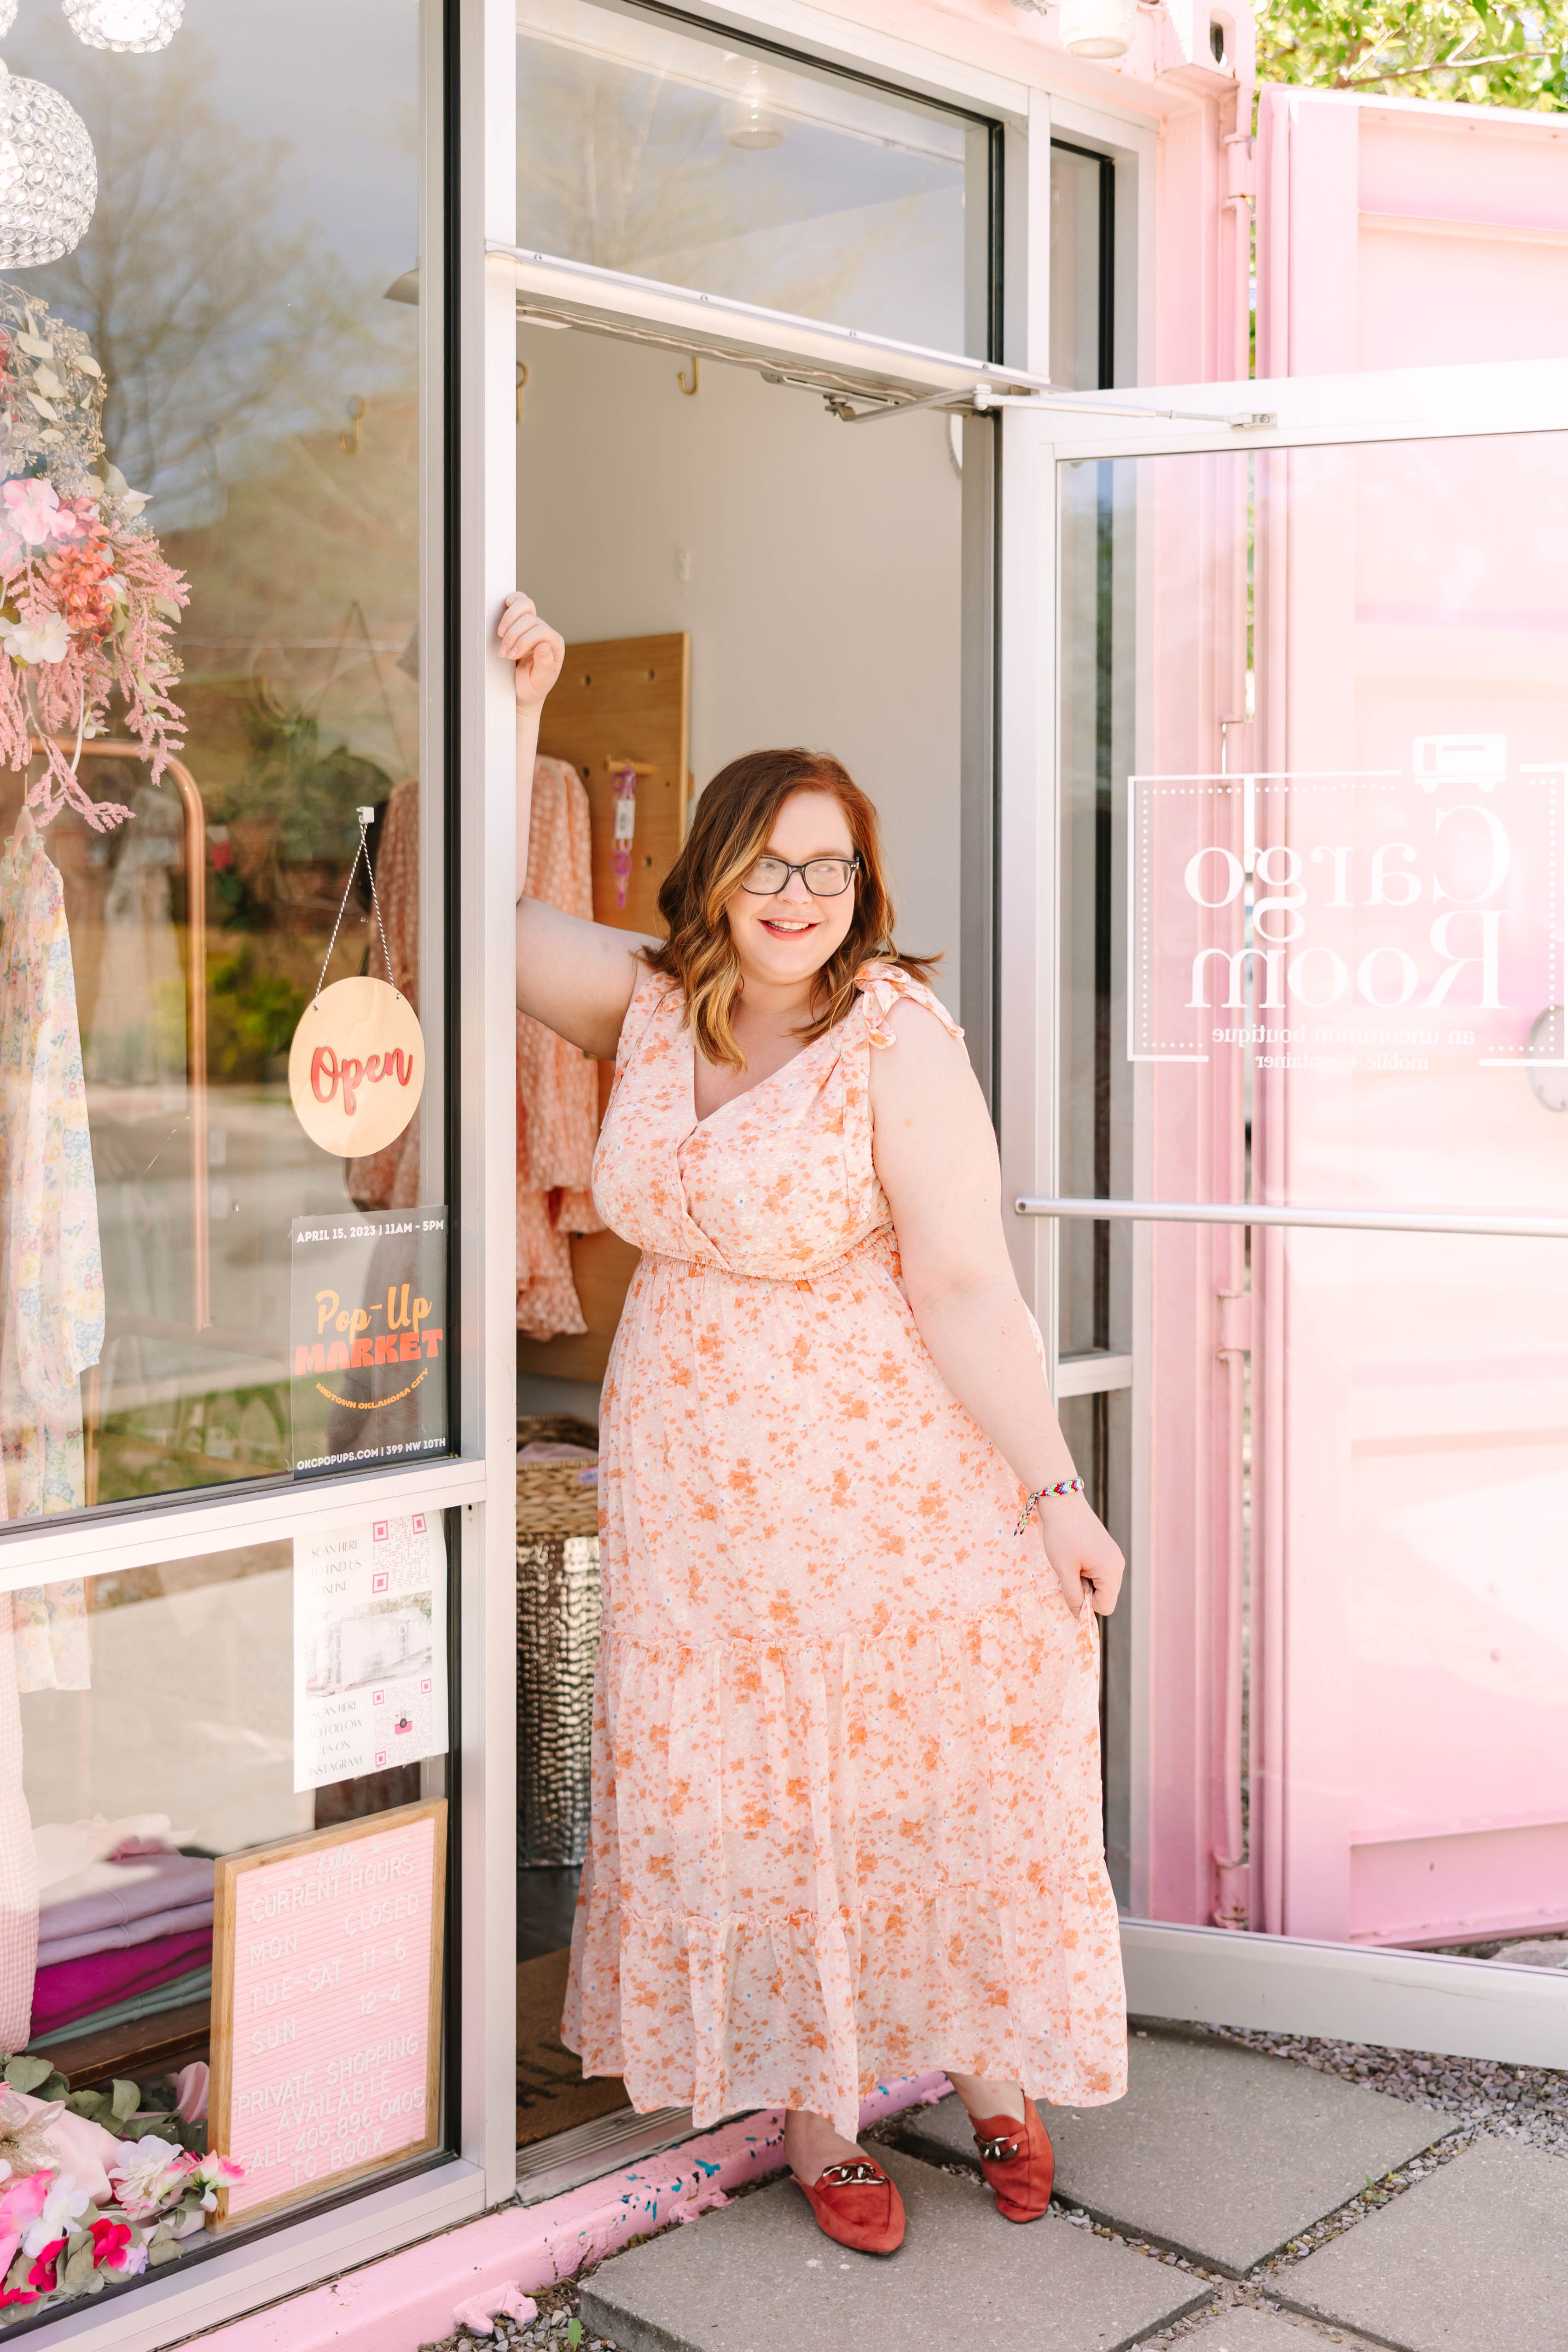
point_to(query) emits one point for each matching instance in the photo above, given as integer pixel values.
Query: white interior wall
(815, 564)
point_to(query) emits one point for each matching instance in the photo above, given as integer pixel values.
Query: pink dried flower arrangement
(87, 602)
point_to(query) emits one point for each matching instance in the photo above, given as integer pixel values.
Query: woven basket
(552, 1497)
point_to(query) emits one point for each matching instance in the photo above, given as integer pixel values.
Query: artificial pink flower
(63, 2206)
(111, 2242)
(57, 679)
(75, 519)
(42, 2274)
(78, 578)
(47, 640)
(32, 509)
(191, 2082)
(150, 2174)
(21, 2202)
(211, 2173)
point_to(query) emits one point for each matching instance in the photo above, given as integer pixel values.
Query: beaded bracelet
(1062, 1487)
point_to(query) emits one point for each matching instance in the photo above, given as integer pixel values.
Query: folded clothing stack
(546, 1450)
(124, 1924)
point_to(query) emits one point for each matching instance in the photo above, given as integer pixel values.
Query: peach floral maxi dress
(845, 1741)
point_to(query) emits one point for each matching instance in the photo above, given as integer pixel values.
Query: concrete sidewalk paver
(1246, 2330)
(1221, 2153)
(760, 2276)
(1473, 2258)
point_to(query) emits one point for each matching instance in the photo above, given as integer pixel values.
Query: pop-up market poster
(367, 1339)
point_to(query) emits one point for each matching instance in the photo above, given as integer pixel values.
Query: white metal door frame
(1397, 1999)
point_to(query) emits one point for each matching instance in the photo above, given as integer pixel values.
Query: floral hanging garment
(51, 1330)
(51, 1274)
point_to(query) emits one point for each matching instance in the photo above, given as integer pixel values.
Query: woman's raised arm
(936, 1156)
(574, 976)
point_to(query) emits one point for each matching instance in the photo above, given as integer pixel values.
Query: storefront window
(1316, 792)
(221, 1969)
(649, 145)
(258, 203)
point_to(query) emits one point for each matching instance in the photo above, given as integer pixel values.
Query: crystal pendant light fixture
(8, 15)
(49, 174)
(123, 24)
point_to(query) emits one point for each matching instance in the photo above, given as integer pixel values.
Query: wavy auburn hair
(734, 817)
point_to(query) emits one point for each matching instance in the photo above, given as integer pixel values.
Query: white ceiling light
(1099, 28)
(137, 24)
(746, 117)
(48, 198)
(7, 14)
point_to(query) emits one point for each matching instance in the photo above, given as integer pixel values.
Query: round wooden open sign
(356, 1068)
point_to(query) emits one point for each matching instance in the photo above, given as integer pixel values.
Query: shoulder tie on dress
(882, 985)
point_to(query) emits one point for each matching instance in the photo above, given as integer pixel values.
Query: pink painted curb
(413, 2297)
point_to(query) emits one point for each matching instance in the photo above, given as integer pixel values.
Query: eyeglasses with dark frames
(825, 877)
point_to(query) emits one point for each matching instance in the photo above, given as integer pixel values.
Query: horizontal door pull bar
(1248, 1212)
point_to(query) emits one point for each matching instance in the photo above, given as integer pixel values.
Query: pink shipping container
(1156, 490)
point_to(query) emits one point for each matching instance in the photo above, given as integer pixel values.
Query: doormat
(552, 2094)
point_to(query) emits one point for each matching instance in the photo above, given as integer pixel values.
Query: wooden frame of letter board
(226, 1912)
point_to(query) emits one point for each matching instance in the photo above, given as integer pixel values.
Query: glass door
(746, 287)
(1312, 798)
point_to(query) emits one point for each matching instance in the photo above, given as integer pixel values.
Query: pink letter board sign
(327, 2006)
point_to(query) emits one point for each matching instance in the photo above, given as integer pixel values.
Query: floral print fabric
(51, 1273)
(51, 1330)
(846, 1749)
(557, 1085)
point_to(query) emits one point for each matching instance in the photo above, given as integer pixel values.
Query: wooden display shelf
(143, 2047)
(626, 699)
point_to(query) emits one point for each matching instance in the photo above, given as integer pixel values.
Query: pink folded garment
(116, 1894)
(73, 1989)
(177, 1922)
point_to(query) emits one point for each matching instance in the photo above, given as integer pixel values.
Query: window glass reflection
(155, 1722)
(262, 393)
(1318, 766)
(673, 155)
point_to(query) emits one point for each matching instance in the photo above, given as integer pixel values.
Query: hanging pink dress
(847, 1813)
(557, 1085)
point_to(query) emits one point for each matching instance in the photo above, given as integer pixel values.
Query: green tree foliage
(251, 1017)
(1420, 48)
(309, 789)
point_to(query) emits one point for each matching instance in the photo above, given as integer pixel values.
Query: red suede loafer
(857, 2206)
(1016, 2160)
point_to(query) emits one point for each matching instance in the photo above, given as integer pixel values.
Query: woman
(847, 1793)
